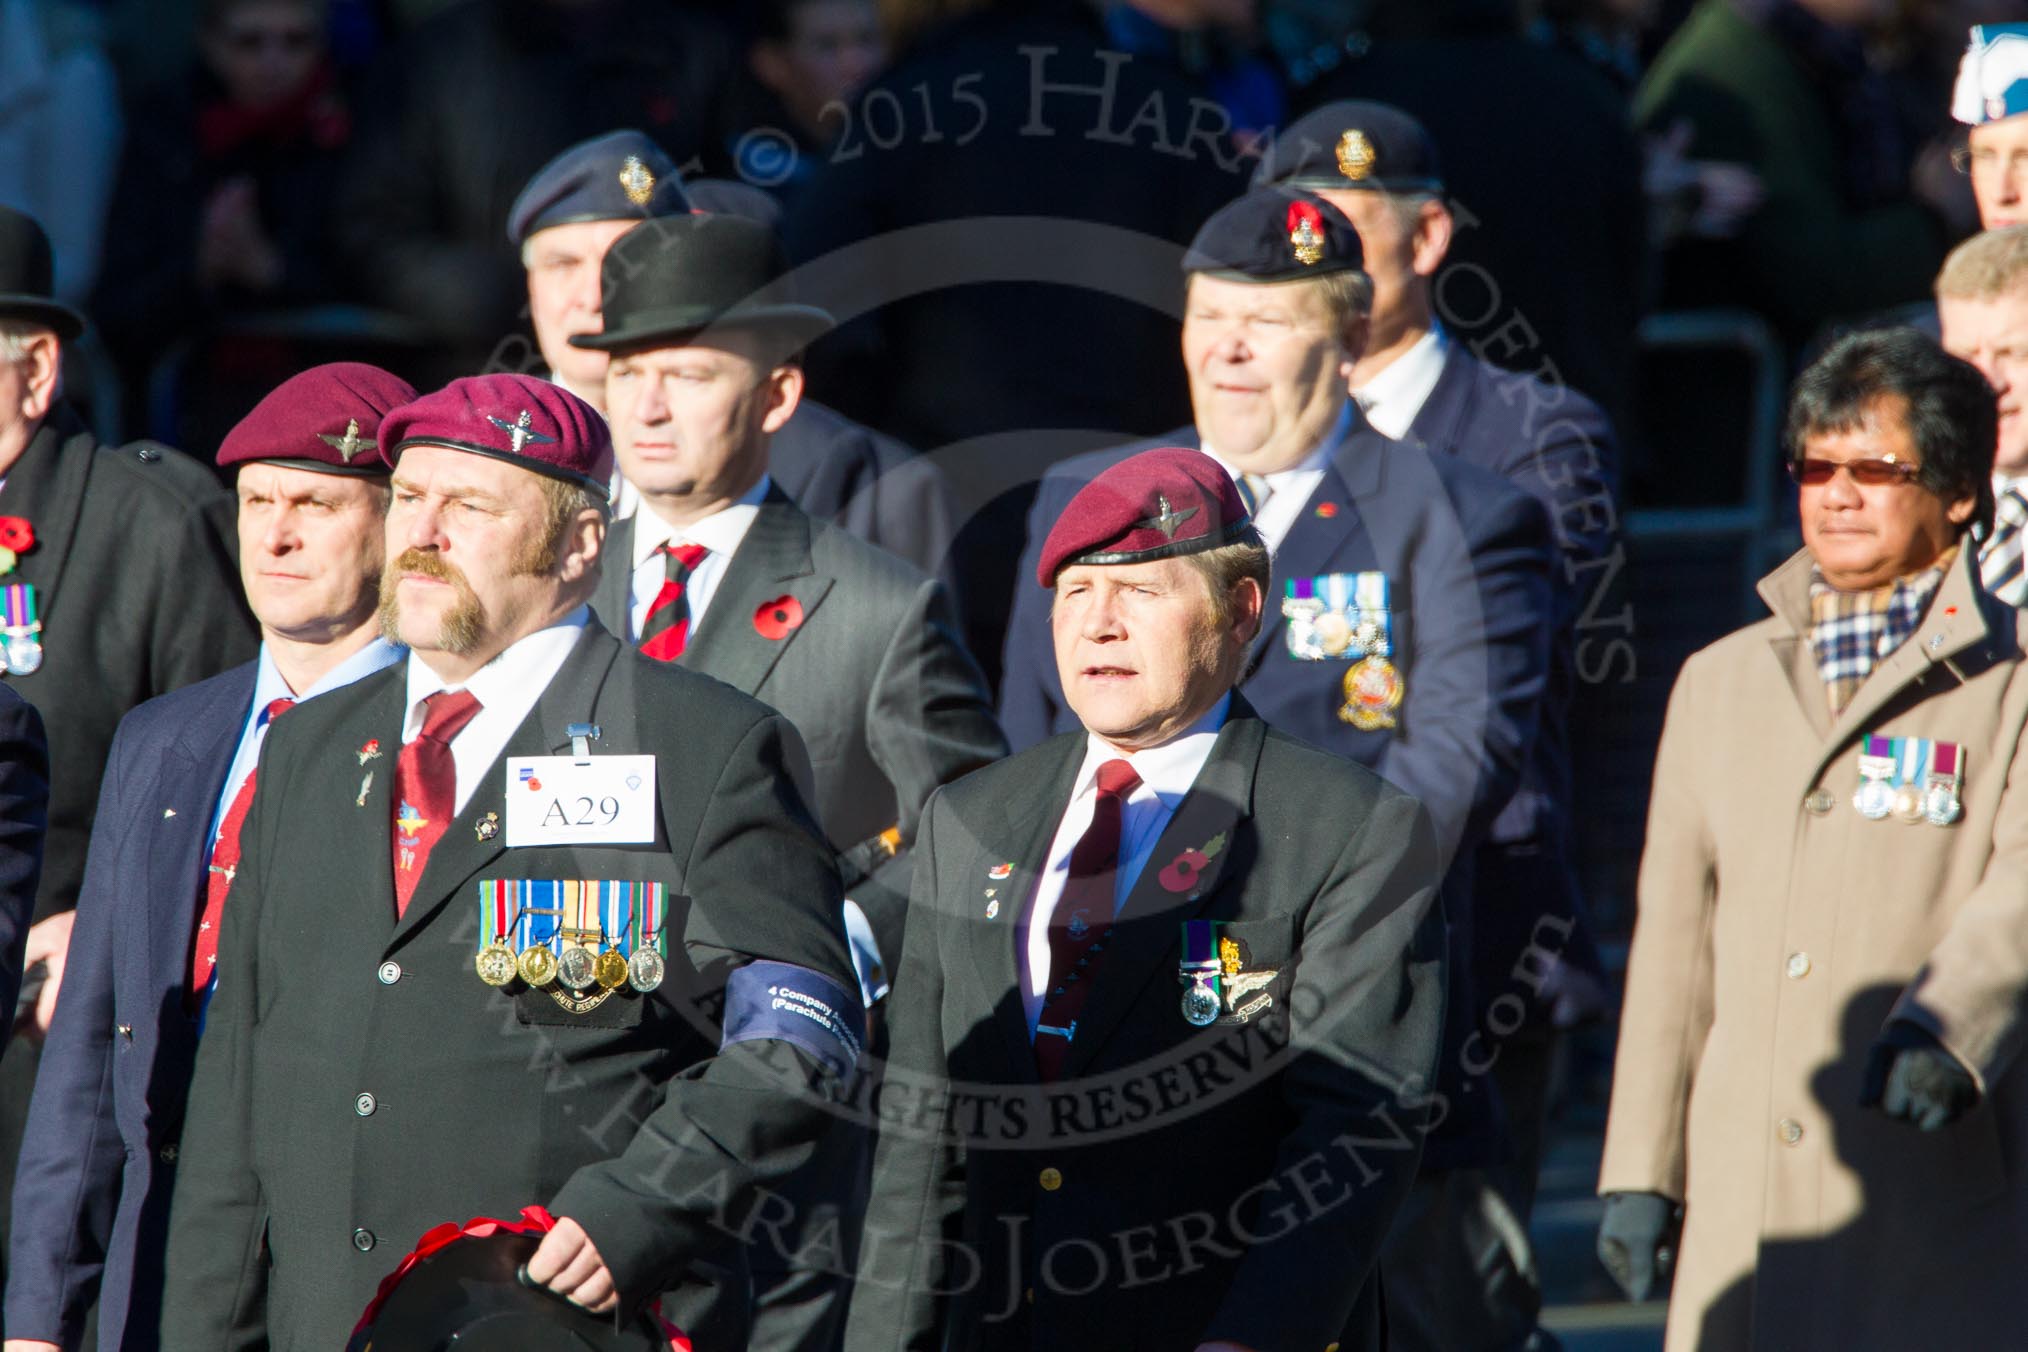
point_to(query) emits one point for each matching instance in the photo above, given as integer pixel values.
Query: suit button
(363, 1240)
(168, 1153)
(1791, 1130)
(1051, 1179)
(363, 1105)
(390, 972)
(1799, 966)
(1820, 802)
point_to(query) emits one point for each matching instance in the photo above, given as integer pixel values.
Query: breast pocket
(1256, 960)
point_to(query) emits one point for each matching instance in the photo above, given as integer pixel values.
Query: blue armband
(795, 1005)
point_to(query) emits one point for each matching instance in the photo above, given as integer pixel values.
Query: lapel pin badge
(370, 751)
(487, 826)
(1182, 872)
(992, 909)
(167, 813)
(999, 871)
(365, 787)
(779, 618)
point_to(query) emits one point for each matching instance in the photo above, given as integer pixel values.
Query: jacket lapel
(47, 487)
(1164, 896)
(1435, 425)
(772, 561)
(1316, 544)
(613, 601)
(996, 943)
(193, 771)
(460, 854)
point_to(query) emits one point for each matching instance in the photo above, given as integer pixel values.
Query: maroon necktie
(426, 788)
(667, 626)
(224, 867)
(1082, 923)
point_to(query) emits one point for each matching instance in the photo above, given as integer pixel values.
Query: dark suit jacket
(306, 1192)
(134, 571)
(1468, 558)
(875, 678)
(1177, 1184)
(24, 817)
(1555, 445)
(868, 485)
(91, 1205)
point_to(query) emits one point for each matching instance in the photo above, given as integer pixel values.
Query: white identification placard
(555, 800)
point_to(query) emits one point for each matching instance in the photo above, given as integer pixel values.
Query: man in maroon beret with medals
(105, 1131)
(1170, 988)
(527, 919)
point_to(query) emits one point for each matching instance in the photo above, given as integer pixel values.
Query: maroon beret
(523, 420)
(326, 419)
(1155, 505)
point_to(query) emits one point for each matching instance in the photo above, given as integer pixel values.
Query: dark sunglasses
(1870, 473)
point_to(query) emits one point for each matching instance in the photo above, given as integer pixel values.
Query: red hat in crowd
(1156, 505)
(326, 419)
(520, 419)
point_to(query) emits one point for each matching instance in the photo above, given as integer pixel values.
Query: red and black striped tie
(667, 626)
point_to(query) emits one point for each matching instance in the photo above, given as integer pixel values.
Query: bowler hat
(678, 275)
(25, 272)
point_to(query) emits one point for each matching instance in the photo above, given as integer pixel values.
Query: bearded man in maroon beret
(525, 920)
(106, 1125)
(1170, 988)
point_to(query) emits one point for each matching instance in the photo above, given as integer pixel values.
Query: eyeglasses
(1868, 473)
(1985, 161)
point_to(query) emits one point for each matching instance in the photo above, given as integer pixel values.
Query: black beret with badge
(621, 176)
(1275, 235)
(1353, 144)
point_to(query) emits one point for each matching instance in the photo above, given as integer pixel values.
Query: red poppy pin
(1327, 510)
(1185, 868)
(17, 537)
(370, 751)
(778, 618)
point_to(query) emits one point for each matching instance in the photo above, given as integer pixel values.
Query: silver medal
(24, 654)
(644, 970)
(1200, 1004)
(1875, 799)
(577, 968)
(1940, 805)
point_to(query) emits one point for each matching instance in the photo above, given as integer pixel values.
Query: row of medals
(1938, 804)
(579, 968)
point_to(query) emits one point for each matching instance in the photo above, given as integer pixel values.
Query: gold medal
(496, 964)
(1373, 690)
(537, 965)
(1908, 804)
(1334, 633)
(610, 970)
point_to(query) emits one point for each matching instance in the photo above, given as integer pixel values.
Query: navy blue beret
(1353, 144)
(621, 176)
(1275, 235)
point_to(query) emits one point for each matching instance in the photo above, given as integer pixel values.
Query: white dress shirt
(1167, 772)
(721, 533)
(269, 686)
(506, 688)
(1392, 399)
(1289, 489)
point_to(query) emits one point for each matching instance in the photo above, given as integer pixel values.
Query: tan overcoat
(1779, 929)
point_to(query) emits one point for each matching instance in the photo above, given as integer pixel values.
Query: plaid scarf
(1852, 632)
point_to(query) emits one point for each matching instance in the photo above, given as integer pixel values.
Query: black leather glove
(1637, 1241)
(1910, 1077)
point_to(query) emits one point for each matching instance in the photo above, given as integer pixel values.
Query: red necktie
(224, 866)
(1082, 923)
(667, 626)
(426, 788)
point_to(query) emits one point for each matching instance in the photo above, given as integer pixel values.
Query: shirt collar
(1393, 398)
(1313, 463)
(529, 662)
(721, 532)
(1167, 770)
(269, 685)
